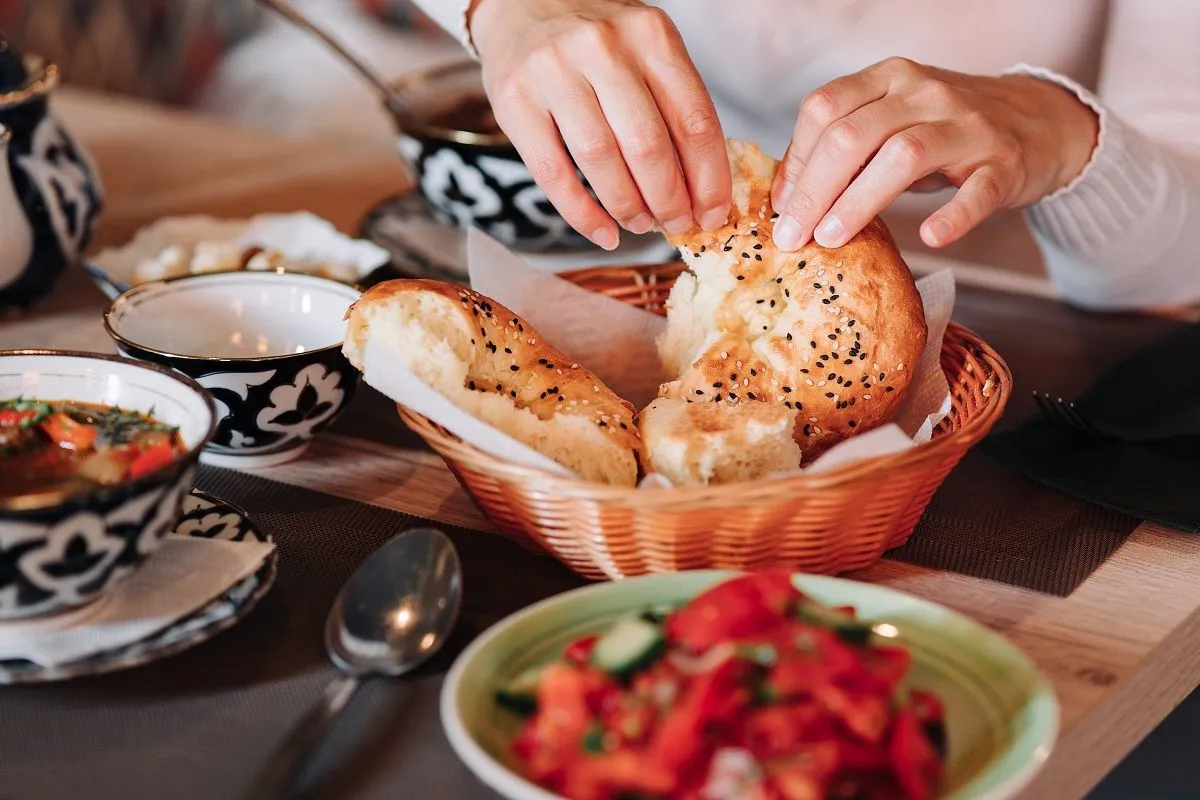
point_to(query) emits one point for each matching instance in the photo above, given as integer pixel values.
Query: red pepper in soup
(72, 446)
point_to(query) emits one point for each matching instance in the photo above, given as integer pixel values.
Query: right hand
(610, 83)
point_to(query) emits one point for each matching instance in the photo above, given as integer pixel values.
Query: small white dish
(266, 346)
(206, 517)
(301, 237)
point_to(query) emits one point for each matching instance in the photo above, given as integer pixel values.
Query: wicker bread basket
(828, 522)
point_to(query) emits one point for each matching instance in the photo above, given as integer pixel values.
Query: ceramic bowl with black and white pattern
(470, 178)
(266, 346)
(62, 550)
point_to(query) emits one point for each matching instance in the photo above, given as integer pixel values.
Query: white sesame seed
(866, 397)
(574, 366)
(595, 388)
(809, 381)
(900, 367)
(843, 349)
(745, 381)
(821, 383)
(724, 354)
(816, 429)
(821, 272)
(738, 364)
(559, 371)
(875, 367)
(812, 419)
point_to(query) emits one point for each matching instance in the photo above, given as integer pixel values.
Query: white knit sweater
(1125, 234)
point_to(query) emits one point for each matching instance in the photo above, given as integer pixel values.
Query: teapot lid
(14, 74)
(23, 77)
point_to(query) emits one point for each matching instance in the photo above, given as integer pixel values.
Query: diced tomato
(710, 701)
(864, 715)
(562, 719)
(149, 460)
(9, 418)
(778, 730)
(743, 607)
(805, 775)
(884, 668)
(580, 650)
(630, 720)
(914, 761)
(67, 433)
(626, 771)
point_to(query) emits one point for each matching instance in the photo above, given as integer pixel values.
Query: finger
(818, 111)
(981, 194)
(695, 129)
(906, 158)
(842, 151)
(592, 145)
(536, 139)
(645, 142)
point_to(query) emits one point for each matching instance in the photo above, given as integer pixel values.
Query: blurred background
(233, 59)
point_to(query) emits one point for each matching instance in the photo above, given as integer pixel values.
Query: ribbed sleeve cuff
(1109, 199)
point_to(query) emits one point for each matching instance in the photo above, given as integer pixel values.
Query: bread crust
(505, 357)
(831, 333)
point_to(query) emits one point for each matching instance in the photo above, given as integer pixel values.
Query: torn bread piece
(490, 363)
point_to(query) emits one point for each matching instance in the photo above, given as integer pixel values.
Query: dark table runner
(200, 724)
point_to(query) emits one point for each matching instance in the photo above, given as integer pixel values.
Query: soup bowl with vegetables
(266, 346)
(96, 455)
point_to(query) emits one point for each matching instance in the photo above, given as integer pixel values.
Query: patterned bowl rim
(42, 502)
(352, 292)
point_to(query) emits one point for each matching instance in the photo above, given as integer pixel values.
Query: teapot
(50, 195)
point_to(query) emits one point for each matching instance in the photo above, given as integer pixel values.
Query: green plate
(1001, 714)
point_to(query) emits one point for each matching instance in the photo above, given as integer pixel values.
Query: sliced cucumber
(846, 626)
(659, 612)
(520, 695)
(628, 646)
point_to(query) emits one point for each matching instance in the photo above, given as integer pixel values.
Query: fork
(1065, 414)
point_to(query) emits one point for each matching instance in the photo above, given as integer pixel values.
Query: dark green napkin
(1148, 465)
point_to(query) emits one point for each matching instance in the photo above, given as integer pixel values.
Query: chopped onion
(695, 665)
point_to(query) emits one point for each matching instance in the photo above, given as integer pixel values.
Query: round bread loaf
(489, 362)
(829, 334)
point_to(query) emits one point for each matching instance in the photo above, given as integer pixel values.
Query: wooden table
(1121, 651)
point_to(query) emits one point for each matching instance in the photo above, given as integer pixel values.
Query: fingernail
(714, 218)
(831, 232)
(786, 233)
(679, 225)
(640, 224)
(785, 192)
(937, 230)
(606, 238)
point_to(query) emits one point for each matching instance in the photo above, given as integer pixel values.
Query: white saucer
(423, 246)
(204, 517)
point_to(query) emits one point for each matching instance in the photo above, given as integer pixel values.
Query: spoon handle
(285, 9)
(292, 754)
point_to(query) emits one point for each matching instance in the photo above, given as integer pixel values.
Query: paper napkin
(184, 575)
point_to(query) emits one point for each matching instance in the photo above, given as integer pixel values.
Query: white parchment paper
(617, 342)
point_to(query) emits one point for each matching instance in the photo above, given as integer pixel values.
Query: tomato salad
(71, 446)
(751, 691)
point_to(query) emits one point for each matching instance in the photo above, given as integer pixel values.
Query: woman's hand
(862, 140)
(610, 83)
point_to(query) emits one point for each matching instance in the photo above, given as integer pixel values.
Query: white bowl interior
(111, 383)
(235, 315)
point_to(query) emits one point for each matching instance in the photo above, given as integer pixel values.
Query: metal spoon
(391, 98)
(393, 614)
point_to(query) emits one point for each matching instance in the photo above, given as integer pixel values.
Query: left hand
(862, 140)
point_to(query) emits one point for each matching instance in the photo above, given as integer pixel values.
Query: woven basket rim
(972, 430)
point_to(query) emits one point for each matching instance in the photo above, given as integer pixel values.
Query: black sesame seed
(549, 366)
(829, 394)
(624, 427)
(807, 428)
(515, 368)
(848, 361)
(832, 375)
(831, 288)
(699, 391)
(483, 331)
(513, 393)
(787, 293)
(787, 403)
(779, 280)
(754, 233)
(851, 323)
(727, 248)
(717, 398)
(757, 257)
(757, 246)
(472, 385)
(801, 265)
(890, 389)
(741, 277)
(764, 327)
(882, 375)
(701, 248)
(832, 337)
(745, 255)
(499, 387)
(862, 356)
(789, 337)
(542, 396)
(561, 398)
(717, 384)
(816, 286)
(814, 344)
(759, 302)
(541, 361)
(603, 424)
(508, 350)
(772, 304)
(799, 406)
(750, 395)
(834, 296)
(852, 424)
(851, 401)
